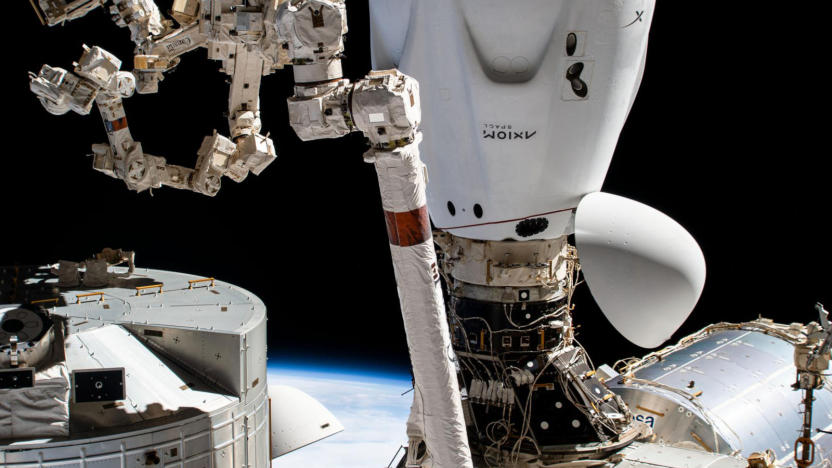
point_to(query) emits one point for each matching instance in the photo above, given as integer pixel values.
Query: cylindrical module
(437, 410)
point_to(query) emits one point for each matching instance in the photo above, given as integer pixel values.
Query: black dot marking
(478, 210)
(574, 70)
(451, 208)
(573, 74)
(571, 44)
(530, 227)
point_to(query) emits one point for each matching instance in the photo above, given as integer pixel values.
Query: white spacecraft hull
(190, 385)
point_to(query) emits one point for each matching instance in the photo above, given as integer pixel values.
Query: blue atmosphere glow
(367, 401)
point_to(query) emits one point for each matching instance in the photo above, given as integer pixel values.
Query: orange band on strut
(116, 125)
(408, 228)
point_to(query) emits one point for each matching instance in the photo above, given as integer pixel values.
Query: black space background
(728, 136)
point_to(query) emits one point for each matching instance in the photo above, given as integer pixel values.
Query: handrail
(396, 455)
(98, 293)
(191, 283)
(140, 289)
(51, 299)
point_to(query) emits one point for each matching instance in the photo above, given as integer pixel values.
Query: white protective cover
(644, 270)
(40, 411)
(298, 420)
(436, 414)
(503, 128)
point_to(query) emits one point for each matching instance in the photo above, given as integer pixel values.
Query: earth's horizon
(367, 401)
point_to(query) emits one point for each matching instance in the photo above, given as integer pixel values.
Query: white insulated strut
(436, 415)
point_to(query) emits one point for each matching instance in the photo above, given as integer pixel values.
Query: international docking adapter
(104, 365)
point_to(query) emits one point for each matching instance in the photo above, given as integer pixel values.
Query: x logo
(638, 19)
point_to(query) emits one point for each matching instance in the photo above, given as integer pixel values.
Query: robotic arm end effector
(387, 108)
(96, 72)
(60, 91)
(219, 156)
(384, 106)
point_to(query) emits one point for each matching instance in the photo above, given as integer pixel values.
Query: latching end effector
(384, 106)
(219, 156)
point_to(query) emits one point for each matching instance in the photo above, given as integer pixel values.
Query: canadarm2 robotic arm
(385, 107)
(158, 49)
(97, 79)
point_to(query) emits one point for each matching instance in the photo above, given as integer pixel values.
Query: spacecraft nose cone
(645, 271)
